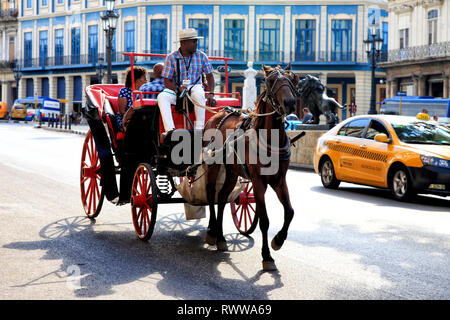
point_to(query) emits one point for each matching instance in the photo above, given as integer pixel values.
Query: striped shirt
(191, 68)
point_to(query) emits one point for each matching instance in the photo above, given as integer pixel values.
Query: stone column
(446, 84)
(69, 94)
(216, 33)
(388, 88)
(394, 87)
(422, 86)
(323, 78)
(362, 94)
(37, 86)
(416, 85)
(251, 33)
(52, 91)
(287, 34)
(21, 91)
(4, 45)
(4, 91)
(121, 77)
(85, 81)
(9, 99)
(140, 45)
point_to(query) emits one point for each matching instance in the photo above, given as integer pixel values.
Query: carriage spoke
(240, 218)
(249, 215)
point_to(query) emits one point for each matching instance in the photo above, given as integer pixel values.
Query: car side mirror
(382, 137)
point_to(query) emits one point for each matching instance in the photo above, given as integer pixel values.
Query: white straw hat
(188, 34)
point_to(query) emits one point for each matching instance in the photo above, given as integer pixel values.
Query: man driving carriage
(182, 73)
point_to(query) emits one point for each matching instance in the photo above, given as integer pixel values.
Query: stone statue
(249, 90)
(314, 96)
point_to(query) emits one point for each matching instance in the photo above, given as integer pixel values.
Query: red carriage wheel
(243, 211)
(144, 202)
(90, 175)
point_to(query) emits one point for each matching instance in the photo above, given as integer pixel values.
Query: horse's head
(280, 89)
(314, 96)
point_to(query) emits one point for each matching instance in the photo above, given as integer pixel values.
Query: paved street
(351, 243)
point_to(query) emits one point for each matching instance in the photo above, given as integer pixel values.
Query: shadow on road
(382, 197)
(175, 260)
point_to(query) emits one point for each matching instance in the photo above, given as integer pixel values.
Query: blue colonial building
(61, 41)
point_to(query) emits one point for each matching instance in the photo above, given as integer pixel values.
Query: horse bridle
(272, 91)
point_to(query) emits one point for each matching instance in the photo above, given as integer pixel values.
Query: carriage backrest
(111, 91)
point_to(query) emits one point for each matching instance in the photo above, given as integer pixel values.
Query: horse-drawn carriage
(141, 157)
(149, 176)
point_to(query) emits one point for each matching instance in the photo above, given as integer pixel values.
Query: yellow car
(404, 154)
(18, 111)
(3, 110)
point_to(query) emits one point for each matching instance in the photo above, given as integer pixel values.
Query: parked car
(292, 121)
(403, 154)
(3, 110)
(18, 111)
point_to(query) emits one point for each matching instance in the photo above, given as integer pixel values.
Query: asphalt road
(351, 243)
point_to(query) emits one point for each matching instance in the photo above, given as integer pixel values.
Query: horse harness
(270, 92)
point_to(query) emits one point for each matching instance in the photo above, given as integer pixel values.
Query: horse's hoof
(210, 239)
(274, 245)
(222, 246)
(269, 266)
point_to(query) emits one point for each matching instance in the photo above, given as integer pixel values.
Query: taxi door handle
(338, 141)
(364, 146)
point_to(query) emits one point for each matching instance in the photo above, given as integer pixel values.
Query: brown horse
(272, 105)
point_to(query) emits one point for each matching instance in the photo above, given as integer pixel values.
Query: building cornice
(381, 3)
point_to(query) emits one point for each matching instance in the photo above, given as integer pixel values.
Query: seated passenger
(157, 85)
(192, 63)
(125, 99)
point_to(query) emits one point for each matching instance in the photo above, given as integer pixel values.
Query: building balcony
(419, 53)
(8, 14)
(6, 65)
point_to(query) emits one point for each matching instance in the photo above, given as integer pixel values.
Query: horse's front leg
(228, 186)
(211, 234)
(282, 192)
(259, 190)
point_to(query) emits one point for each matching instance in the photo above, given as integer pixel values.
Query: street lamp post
(17, 76)
(100, 70)
(109, 24)
(373, 45)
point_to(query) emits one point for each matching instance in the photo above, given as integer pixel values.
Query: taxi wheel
(327, 175)
(401, 186)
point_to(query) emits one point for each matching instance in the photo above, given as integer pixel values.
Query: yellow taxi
(404, 154)
(3, 110)
(18, 111)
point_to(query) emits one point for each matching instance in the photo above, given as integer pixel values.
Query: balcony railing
(8, 14)
(238, 56)
(7, 65)
(438, 50)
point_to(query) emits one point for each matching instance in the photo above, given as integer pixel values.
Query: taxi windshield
(423, 132)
